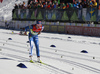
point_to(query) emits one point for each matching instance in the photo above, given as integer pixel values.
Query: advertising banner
(61, 29)
(53, 28)
(74, 30)
(78, 30)
(2, 24)
(91, 31)
(69, 29)
(69, 14)
(85, 29)
(46, 28)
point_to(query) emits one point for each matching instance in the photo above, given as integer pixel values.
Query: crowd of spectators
(52, 5)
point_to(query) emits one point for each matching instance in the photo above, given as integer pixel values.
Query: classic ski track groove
(86, 67)
(71, 40)
(56, 53)
(48, 48)
(83, 66)
(55, 69)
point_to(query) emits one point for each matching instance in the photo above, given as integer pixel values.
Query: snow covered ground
(65, 58)
(6, 8)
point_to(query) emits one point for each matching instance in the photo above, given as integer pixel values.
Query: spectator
(16, 6)
(55, 1)
(70, 5)
(40, 2)
(48, 1)
(75, 5)
(67, 5)
(84, 5)
(54, 5)
(20, 6)
(94, 4)
(80, 6)
(49, 6)
(38, 5)
(91, 4)
(44, 6)
(34, 5)
(31, 4)
(99, 7)
(28, 6)
(63, 5)
(41, 5)
(29, 1)
(24, 4)
(58, 6)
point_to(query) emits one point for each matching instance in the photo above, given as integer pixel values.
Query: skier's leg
(36, 41)
(31, 46)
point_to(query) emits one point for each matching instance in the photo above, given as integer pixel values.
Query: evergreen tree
(14, 15)
(39, 16)
(74, 17)
(64, 17)
(83, 18)
(53, 17)
(19, 16)
(75, 24)
(87, 17)
(95, 25)
(32, 16)
(93, 18)
(24, 16)
(46, 16)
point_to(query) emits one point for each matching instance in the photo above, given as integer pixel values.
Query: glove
(39, 33)
(25, 33)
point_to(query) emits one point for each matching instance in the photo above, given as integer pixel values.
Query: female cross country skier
(34, 31)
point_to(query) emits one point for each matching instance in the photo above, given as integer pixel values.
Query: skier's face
(38, 26)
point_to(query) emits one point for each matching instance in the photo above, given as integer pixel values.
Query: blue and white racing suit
(33, 37)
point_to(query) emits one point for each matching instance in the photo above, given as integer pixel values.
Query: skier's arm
(27, 29)
(41, 30)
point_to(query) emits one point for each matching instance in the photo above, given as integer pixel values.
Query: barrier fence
(66, 28)
(76, 30)
(65, 15)
(2, 24)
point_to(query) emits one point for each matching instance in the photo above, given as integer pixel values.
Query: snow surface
(6, 8)
(65, 58)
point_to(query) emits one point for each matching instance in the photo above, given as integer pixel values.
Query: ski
(31, 61)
